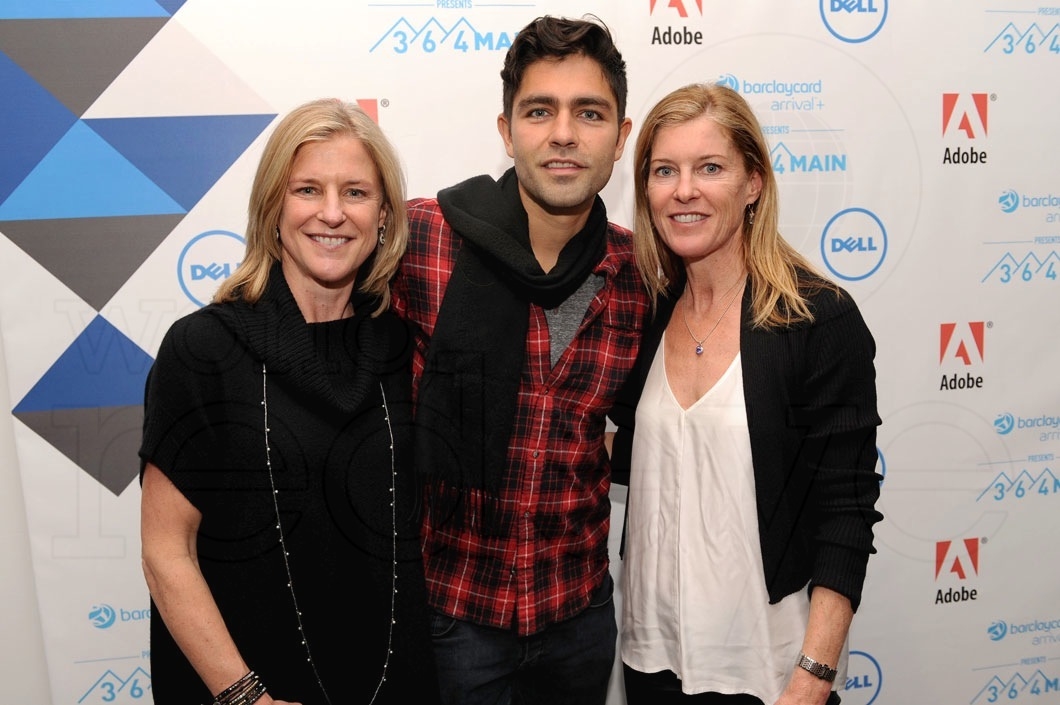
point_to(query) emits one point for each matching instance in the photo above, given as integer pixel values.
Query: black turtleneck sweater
(331, 460)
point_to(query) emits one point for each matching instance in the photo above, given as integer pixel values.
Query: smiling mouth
(689, 217)
(329, 240)
(562, 165)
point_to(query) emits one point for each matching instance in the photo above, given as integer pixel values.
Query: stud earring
(382, 234)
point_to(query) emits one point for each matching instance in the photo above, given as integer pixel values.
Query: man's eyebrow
(580, 101)
(549, 100)
(594, 101)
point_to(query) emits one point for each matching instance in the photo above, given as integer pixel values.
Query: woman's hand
(804, 688)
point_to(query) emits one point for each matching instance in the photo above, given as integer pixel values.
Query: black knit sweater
(331, 459)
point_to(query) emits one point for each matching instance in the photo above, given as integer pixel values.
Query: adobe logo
(958, 557)
(678, 5)
(964, 112)
(963, 342)
(371, 107)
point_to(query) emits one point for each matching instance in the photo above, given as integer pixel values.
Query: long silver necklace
(283, 540)
(684, 318)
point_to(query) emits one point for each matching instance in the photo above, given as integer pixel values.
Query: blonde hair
(317, 121)
(778, 291)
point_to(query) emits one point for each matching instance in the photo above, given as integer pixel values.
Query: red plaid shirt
(554, 493)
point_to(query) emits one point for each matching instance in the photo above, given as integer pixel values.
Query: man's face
(564, 134)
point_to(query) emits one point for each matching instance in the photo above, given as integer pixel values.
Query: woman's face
(698, 189)
(332, 210)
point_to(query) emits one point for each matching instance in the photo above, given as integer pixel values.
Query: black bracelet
(244, 691)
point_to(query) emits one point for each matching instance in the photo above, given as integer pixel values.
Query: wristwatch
(822, 671)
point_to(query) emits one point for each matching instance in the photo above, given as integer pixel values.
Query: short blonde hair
(316, 121)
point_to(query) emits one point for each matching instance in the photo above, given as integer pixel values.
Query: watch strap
(821, 670)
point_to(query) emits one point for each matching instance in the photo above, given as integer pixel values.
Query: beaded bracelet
(244, 691)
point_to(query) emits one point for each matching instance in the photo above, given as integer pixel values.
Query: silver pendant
(699, 349)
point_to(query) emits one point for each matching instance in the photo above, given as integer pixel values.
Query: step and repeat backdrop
(916, 147)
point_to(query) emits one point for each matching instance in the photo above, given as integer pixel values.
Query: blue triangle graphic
(172, 5)
(70, 9)
(184, 155)
(102, 368)
(31, 122)
(83, 177)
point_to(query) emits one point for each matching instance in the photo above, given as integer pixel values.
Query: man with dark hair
(527, 309)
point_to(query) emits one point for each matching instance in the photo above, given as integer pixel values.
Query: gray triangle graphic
(92, 256)
(76, 59)
(102, 441)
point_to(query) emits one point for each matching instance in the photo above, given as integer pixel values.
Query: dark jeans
(664, 687)
(568, 663)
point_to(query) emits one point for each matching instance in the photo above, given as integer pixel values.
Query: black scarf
(468, 392)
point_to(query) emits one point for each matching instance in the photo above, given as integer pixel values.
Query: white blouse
(694, 596)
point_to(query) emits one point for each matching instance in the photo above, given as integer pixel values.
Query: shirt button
(536, 453)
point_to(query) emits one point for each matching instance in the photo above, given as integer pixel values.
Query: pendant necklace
(699, 343)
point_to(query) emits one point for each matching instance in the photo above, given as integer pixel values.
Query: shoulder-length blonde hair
(317, 121)
(781, 277)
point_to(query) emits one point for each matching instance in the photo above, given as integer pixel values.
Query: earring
(382, 234)
(277, 232)
(750, 214)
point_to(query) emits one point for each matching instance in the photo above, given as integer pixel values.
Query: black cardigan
(810, 395)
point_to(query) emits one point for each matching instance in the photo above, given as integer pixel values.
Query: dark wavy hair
(557, 38)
